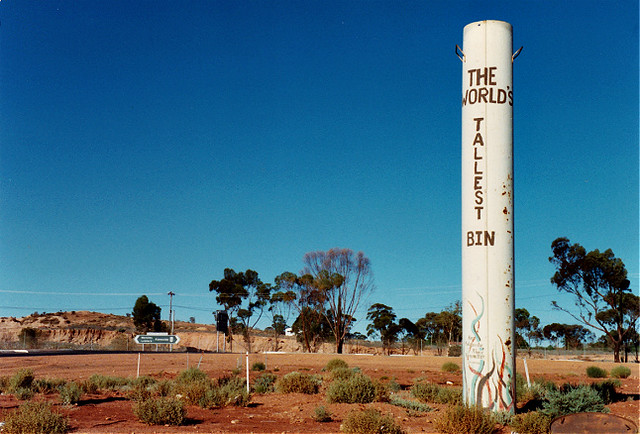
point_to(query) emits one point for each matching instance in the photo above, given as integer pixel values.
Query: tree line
(323, 298)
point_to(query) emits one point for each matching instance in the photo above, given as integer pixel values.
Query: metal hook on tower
(516, 54)
(460, 53)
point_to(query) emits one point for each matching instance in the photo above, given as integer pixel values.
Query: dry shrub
(23, 379)
(429, 392)
(296, 382)
(336, 363)
(191, 375)
(104, 382)
(358, 389)
(450, 367)
(70, 393)
(620, 372)
(35, 418)
(460, 419)
(370, 421)
(321, 414)
(530, 423)
(160, 411)
(596, 372)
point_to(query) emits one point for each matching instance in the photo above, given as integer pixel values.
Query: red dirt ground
(271, 413)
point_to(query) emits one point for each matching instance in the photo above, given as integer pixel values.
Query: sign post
(488, 355)
(156, 339)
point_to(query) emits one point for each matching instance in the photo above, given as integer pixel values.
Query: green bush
(526, 393)
(196, 392)
(410, 405)
(454, 351)
(265, 383)
(34, 418)
(607, 390)
(23, 393)
(596, 372)
(335, 363)
(23, 379)
(321, 414)
(358, 389)
(160, 411)
(460, 419)
(296, 382)
(230, 391)
(70, 393)
(258, 366)
(103, 382)
(139, 392)
(450, 367)
(530, 423)
(370, 421)
(571, 400)
(4, 384)
(164, 388)
(341, 373)
(429, 392)
(48, 385)
(620, 372)
(143, 381)
(191, 375)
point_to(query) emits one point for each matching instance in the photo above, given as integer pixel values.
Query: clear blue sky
(147, 145)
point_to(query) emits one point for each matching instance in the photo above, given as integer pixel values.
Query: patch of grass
(530, 423)
(258, 366)
(358, 389)
(35, 418)
(336, 363)
(596, 372)
(321, 414)
(265, 383)
(572, 399)
(70, 393)
(460, 419)
(370, 421)
(297, 382)
(450, 367)
(620, 372)
(160, 411)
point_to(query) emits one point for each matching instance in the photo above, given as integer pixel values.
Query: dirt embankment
(114, 332)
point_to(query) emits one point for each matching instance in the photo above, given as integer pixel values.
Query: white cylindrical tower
(487, 216)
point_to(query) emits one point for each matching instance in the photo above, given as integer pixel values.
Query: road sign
(156, 339)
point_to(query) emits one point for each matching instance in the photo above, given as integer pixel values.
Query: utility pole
(171, 315)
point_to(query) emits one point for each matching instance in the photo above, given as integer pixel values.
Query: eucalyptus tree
(244, 296)
(600, 289)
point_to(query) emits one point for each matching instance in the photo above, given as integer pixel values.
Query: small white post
(247, 371)
(526, 371)
(138, 372)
